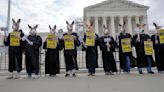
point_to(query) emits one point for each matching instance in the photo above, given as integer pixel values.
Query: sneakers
(93, 74)
(161, 72)
(70, 72)
(90, 74)
(35, 76)
(29, 77)
(109, 73)
(17, 75)
(14, 75)
(10, 77)
(52, 75)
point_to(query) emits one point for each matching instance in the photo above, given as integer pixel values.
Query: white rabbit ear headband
(52, 30)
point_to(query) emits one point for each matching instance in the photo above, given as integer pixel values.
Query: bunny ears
(18, 21)
(35, 27)
(105, 27)
(51, 27)
(156, 26)
(141, 25)
(69, 23)
(122, 25)
(90, 24)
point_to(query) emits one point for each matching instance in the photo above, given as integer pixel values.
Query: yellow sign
(126, 45)
(90, 38)
(148, 46)
(161, 36)
(15, 39)
(69, 42)
(51, 41)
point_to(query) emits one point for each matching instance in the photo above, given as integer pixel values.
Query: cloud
(50, 12)
(155, 12)
(3, 12)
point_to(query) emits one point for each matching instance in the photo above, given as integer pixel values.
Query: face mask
(52, 31)
(140, 31)
(69, 28)
(106, 32)
(33, 32)
(15, 28)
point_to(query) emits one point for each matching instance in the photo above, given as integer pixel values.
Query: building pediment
(116, 4)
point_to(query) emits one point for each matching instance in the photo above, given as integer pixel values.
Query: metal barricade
(80, 59)
(3, 58)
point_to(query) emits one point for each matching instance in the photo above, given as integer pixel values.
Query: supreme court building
(114, 12)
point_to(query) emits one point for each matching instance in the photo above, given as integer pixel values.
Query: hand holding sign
(69, 42)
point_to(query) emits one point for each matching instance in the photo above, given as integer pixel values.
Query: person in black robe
(33, 43)
(138, 42)
(15, 52)
(91, 52)
(52, 65)
(159, 49)
(125, 57)
(107, 46)
(70, 55)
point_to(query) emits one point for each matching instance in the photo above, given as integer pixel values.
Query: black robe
(121, 57)
(70, 56)
(32, 54)
(15, 54)
(52, 65)
(109, 63)
(141, 57)
(159, 52)
(91, 53)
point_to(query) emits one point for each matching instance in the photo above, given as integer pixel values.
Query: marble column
(87, 20)
(121, 20)
(113, 27)
(104, 21)
(137, 21)
(96, 25)
(145, 21)
(129, 24)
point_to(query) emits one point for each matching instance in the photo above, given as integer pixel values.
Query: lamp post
(8, 17)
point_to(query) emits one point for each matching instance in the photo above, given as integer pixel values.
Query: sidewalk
(83, 83)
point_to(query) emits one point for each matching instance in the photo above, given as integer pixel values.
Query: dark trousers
(91, 69)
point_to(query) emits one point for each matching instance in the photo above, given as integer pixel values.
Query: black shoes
(151, 72)
(140, 72)
(91, 74)
(52, 75)
(73, 75)
(106, 73)
(67, 75)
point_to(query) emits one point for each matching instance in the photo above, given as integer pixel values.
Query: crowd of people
(144, 44)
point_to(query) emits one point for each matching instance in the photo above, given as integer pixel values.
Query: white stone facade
(114, 12)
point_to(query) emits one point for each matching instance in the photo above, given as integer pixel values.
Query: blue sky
(50, 12)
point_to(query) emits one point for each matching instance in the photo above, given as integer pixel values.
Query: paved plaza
(82, 83)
